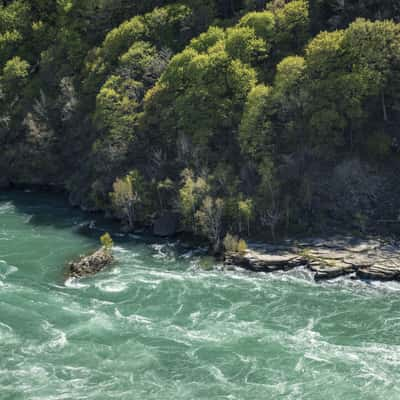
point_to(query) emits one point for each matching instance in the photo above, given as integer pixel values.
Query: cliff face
(255, 118)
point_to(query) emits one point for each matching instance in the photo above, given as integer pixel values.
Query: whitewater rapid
(158, 326)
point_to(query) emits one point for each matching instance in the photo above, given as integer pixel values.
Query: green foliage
(245, 208)
(117, 105)
(14, 26)
(160, 28)
(230, 243)
(126, 196)
(242, 246)
(263, 24)
(289, 74)
(107, 242)
(243, 44)
(209, 220)
(255, 128)
(249, 105)
(233, 244)
(292, 26)
(207, 87)
(164, 25)
(136, 61)
(15, 73)
(191, 195)
(207, 39)
(120, 39)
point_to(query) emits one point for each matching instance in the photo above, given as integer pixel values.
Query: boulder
(166, 224)
(329, 269)
(91, 264)
(383, 271)
(261, 262)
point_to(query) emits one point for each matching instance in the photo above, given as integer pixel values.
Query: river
(156, 326)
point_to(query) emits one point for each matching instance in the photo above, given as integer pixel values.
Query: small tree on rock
(107, 242)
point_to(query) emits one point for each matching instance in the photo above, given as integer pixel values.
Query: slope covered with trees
(244, 117)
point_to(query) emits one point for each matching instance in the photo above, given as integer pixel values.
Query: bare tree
(270, 217)
(209, 218)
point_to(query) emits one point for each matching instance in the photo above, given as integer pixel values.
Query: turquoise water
(156, 326)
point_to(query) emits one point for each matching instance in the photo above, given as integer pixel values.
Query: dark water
(155, 326)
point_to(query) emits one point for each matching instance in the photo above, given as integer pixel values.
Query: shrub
(106, 241)
(234, 244)
(242, 246)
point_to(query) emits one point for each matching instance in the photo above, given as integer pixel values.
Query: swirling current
(158, 326)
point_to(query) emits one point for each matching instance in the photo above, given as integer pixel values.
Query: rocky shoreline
(368, 259)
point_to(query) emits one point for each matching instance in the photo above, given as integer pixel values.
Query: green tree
(244, 45)
(191, 195)
(126, 196)
(206, 91)
(117, 106)
(255, 132)
(245, 208)
(263, 24)
(15, 74)
(292, 27)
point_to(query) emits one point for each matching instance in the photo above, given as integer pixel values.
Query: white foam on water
(7, 269)
(188, 254)
(112, 286)
(75, 283)
(7, 207)
(28, 219)
(59, 341)
(168, 275)
(133, 317)
(218, 374)
(7, 334)
(122, 250)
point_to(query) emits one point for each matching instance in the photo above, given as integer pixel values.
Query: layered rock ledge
(374, 259)
(90, 264)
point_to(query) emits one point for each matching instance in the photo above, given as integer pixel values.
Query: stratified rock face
(328, 259)
(91, 264)
(259, 262)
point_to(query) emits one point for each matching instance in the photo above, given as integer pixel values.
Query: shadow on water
(50, 209)
(53, 210)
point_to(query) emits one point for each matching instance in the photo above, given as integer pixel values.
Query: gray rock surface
(90, 264)
(374, 259)
(265, 262)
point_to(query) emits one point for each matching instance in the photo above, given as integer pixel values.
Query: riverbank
(327, 258)
(371, 257)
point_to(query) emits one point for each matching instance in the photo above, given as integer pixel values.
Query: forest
(241, 118)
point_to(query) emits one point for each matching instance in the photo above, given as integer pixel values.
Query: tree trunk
(273, 233)
(384, 109)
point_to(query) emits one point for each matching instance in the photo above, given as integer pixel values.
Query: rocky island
(95, 262)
